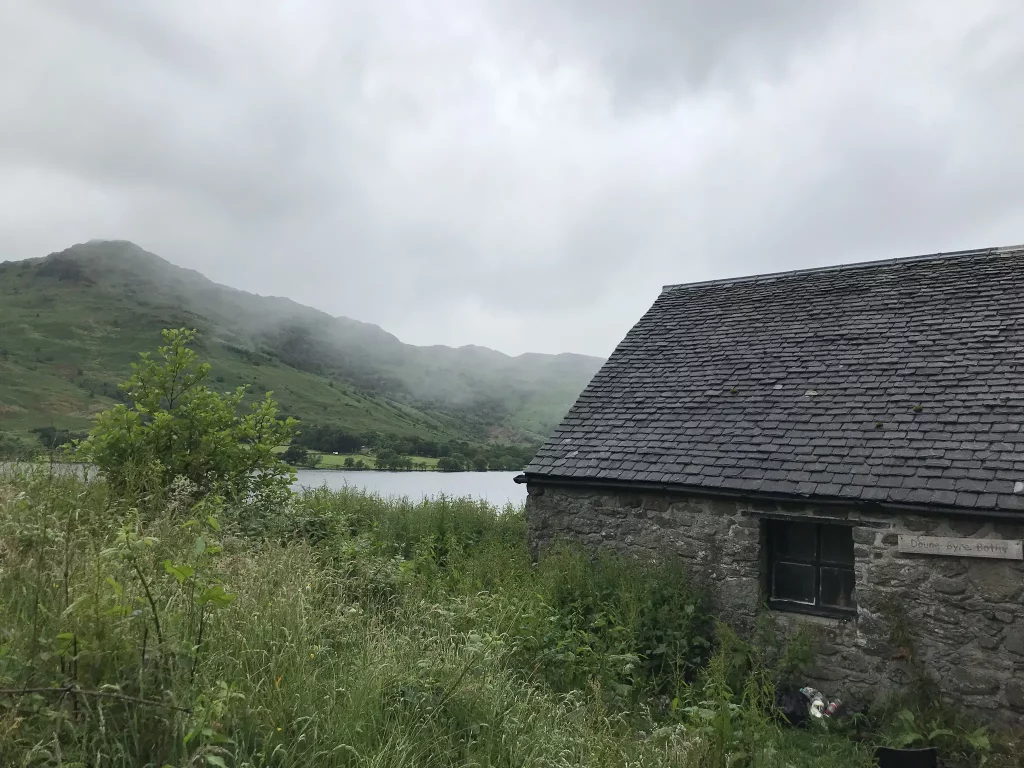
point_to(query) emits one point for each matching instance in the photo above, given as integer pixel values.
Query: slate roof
(899, 382)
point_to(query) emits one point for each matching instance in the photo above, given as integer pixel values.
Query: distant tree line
(329, 439)
(394, 451)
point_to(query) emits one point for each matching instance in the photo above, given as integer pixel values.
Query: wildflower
(279, 729)
(312, 655)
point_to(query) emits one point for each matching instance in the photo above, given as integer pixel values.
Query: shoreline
(53, 460)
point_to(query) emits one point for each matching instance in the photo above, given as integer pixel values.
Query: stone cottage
(840, 447)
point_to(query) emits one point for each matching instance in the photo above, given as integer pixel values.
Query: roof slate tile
(898, 381)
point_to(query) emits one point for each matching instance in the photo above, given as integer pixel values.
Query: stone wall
(966, 614)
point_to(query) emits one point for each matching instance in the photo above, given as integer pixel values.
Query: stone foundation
(966, 614)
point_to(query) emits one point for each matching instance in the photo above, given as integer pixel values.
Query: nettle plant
(175, 426)
(192, 566)
(111, 616)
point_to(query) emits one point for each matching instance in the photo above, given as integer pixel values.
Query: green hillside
(71, 323)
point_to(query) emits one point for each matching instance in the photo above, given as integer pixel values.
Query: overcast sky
(521, 174)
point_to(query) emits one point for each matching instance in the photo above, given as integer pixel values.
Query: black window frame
(816, 562)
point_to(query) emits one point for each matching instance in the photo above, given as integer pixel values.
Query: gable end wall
(967, 613)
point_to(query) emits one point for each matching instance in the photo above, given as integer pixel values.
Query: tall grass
(350, 630)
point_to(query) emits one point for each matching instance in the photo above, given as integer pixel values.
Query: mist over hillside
(72, 323)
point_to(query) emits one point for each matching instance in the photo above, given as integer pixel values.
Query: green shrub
(639, 628)
(176, 426)
(300, 456)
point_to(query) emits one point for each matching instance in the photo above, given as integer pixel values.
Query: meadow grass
(345, 629)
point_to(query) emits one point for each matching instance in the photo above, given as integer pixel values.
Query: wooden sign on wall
(1002, 549)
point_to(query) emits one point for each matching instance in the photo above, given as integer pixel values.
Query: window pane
(795, 540)
(793, 581)
(837, 588)
(837, 544)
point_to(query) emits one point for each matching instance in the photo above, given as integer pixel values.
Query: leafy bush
(905, 720)
(639, 627)
(176, 426)
(299, 456)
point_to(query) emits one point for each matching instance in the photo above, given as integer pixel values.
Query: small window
(810, 567)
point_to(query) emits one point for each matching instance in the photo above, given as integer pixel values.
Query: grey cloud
(128, 94)
(523, 176)
(652, 47)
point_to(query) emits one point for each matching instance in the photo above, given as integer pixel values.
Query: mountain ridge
(91, 307)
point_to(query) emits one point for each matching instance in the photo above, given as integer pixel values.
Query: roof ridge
(855, 265)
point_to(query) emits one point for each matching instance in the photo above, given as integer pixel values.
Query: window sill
(840, 614)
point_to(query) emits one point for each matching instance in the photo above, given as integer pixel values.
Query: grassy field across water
(337, 460)
(343, 629)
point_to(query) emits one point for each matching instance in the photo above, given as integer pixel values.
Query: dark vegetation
(188, 610)
(51, 437)
(299, 456)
